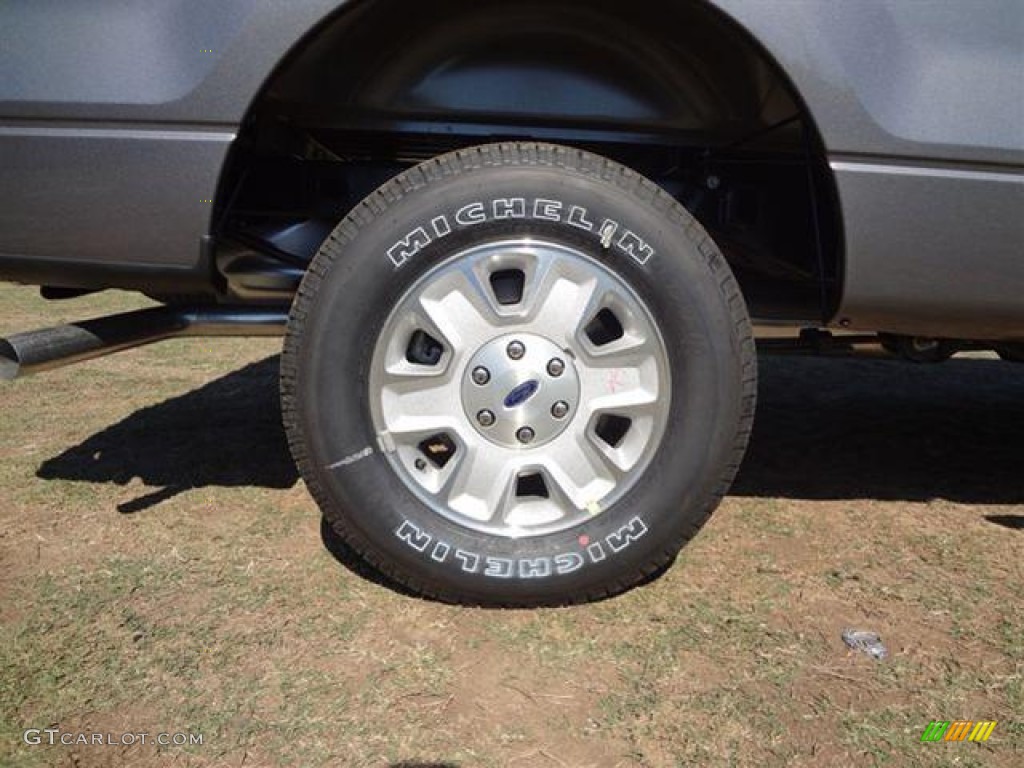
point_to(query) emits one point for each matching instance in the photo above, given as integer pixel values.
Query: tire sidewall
(678, 275)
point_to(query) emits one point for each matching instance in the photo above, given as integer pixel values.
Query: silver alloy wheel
(519, 388)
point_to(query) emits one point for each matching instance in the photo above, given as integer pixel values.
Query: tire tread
(517, 154)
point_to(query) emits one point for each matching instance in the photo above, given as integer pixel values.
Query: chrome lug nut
(556, 367)
(525, 435)
(485, 417)
(560, 409)
(481, 375)
(515, 350)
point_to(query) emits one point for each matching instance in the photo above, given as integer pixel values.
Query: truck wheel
(518, 374)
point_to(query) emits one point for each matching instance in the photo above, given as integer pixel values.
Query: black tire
(351, 288)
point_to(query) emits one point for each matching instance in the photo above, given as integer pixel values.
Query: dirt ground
(162, 570)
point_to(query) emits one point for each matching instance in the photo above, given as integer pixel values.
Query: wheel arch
(384, 63)
(686, 70)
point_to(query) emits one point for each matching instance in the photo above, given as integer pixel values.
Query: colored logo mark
(522, 393)
(958, 730)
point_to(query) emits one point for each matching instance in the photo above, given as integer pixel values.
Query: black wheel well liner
(589, 73)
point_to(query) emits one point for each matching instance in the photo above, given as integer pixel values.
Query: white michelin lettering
(527, 567)
(474, 213)
(499, 567)
(469, 561)
(441, 226)
(440, 552)
(610, 232)
(578, 218)
(535, 568)
(508, 208)
(547, 210)
(631, 244)
(413, 536)
(626, 535)
(408, 246)
(607, 232)
(352, 458)
(568, 562)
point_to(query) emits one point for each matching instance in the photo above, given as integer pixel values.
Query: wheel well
(675, 90)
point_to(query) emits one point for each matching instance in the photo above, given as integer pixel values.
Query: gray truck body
(117, 119)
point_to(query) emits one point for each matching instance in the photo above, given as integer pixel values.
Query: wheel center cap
(521, 394)
(520, 390)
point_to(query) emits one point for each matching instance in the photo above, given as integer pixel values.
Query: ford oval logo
(522, 393)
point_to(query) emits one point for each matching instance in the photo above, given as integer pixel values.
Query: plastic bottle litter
(865, 641)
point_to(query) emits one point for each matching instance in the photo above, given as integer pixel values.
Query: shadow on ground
(887, 430)
(226, 433)
(1013, 522)
(825, 429)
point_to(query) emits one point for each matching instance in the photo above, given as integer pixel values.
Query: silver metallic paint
(933, 83)
(933, 248)
(95, 195)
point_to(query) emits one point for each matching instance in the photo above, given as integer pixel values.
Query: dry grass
(163, 571)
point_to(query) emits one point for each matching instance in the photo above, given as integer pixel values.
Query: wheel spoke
(581, 473)
(482, 485)
(564, 304)
(459, 310)
(631, 350)
(417, 405)
(620, 389)
(542, 275)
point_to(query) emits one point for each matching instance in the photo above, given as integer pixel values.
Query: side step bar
(26, 353)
